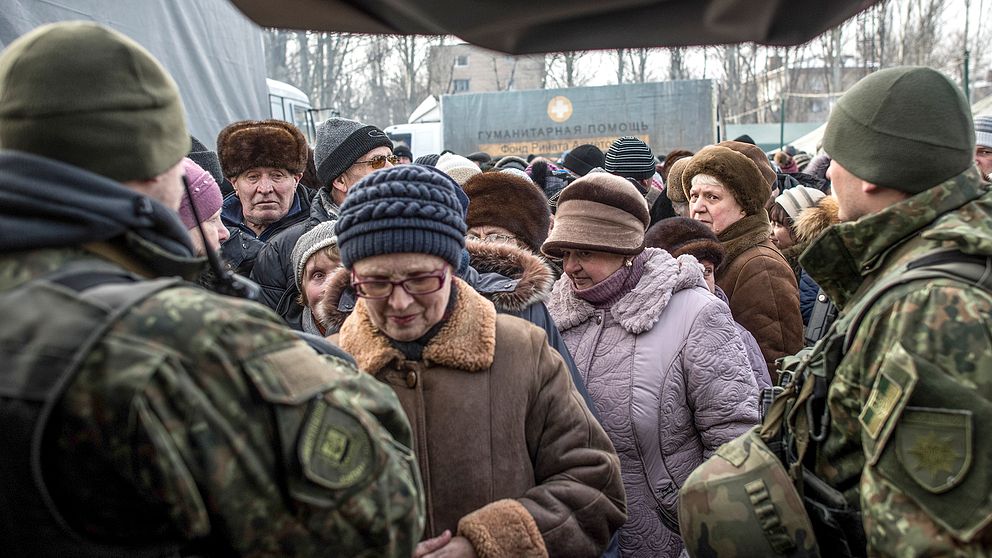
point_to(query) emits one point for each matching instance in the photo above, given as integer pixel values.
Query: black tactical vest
(47, 327)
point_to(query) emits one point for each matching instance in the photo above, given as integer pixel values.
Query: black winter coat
(242, 249)
(274, 269)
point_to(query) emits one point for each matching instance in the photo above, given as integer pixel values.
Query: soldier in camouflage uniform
(186, 423)
(909, 434)
(886, 428)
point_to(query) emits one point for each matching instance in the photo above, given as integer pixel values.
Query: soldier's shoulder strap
(940, 264)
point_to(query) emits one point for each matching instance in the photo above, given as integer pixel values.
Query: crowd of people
(461, 355)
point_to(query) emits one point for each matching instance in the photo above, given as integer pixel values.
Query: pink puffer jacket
(670, 378)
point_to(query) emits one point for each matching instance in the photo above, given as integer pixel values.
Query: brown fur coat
(508, 453)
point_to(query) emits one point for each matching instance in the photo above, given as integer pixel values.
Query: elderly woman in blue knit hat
(513, 462)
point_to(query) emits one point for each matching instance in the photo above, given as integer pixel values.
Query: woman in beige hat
(658, 353)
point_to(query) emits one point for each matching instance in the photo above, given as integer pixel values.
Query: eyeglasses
(378, 289)
(379, 161)
(493, 237)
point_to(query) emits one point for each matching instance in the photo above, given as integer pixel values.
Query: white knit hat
(457, 167)
(309, 244)
(983, 131)
(796, 199)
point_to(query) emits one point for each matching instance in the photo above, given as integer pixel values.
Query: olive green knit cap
(906, 128)
(85, 95)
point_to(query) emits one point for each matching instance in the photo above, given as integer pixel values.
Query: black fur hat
(515, 203)
(681, 235)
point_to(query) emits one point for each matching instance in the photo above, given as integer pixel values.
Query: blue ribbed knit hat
(404, 209)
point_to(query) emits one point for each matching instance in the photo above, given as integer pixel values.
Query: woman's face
(713, 204)
(316, 274)
(214, 231)
(403, 316)
(782, 236)
(587, 268)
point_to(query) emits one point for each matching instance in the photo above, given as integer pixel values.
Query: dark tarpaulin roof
(529, 26)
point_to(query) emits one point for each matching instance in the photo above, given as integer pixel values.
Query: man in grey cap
(142, 415)
(345, 152)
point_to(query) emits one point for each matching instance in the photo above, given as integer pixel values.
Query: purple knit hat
(205, 192)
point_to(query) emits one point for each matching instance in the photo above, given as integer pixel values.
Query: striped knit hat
(630, 157)
(794, 200)
(983, 130)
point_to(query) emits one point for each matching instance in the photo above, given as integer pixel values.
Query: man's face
(848, 190)
(983, 157)
(362, 167)
(168, 187)
(403, 316)
(266, 194)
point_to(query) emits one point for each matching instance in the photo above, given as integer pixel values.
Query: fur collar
(327, 312)
(533, 275)
(814, 220)
(750, 231)
(467, 341)
(638, 310)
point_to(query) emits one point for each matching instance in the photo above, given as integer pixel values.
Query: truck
(665, 115)
(212, 50)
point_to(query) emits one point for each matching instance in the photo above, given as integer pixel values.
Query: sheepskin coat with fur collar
(516, 281)
(670, 378)
(762, 289)
(509, 454)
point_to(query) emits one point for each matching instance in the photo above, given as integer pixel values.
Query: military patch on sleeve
(336, 450)
(883, 399)
(934, 446)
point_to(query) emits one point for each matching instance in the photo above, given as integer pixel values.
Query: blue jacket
(243, 246)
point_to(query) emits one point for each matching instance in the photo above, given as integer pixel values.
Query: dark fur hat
(505, 200)
(736, 171)
(681, 235)
(262, 143)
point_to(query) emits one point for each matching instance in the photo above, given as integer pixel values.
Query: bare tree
(620, 55)
(563, 69)
(676, 65)
(639, 64)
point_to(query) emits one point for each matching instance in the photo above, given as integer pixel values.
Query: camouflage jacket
(910, 436)
(203, 418)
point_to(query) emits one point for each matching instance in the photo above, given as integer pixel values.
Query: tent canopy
(526, 26)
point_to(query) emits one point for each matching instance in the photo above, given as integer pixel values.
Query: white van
(292, 105)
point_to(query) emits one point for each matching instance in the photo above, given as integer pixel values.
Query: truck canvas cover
(211, 49)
